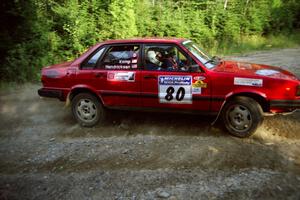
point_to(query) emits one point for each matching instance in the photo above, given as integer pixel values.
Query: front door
(168, 81)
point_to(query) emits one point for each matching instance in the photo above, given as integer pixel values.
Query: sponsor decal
(134, 61)
(248, 82)
(200, 84)
(175, 89)
(199, 78)
(266, 72)
(121, 76)
(196, 90)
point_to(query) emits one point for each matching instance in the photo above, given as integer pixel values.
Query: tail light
(298, 91)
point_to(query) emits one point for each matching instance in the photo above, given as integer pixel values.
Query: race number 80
(179, 94)
(175, 94)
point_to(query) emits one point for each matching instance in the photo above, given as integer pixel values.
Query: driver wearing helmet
(153, 60)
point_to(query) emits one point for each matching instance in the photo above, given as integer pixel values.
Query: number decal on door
(170, 92)
(175, 89)
(179, 94)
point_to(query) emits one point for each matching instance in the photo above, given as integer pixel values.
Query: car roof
(146, 40)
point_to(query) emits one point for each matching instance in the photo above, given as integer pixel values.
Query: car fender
(83, 87)
(239, 92)
(243, 92)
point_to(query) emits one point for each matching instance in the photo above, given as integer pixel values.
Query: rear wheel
(242, 116)
(87, 110)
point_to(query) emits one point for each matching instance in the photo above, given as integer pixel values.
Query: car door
(119, 76)
(164, 86)
(113, 72)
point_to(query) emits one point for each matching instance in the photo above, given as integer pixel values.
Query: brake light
(298, 91)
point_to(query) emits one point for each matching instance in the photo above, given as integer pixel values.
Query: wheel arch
(83, 89)
(260, 98)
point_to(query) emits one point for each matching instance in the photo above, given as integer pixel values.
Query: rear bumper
(52, 93)
(285, 105)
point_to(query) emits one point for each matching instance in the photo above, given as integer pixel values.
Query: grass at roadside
(257, 43)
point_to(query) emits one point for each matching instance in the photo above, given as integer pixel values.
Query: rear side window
(91, 62)
(123, 57)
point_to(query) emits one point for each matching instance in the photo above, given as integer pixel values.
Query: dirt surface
(44, 154)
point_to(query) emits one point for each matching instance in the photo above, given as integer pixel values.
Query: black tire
(87, 110)
(242, 116)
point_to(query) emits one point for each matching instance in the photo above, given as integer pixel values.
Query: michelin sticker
(248, 82)
(121, 76)
(175, 89)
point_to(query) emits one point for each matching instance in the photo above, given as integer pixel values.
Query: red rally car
(170, 75)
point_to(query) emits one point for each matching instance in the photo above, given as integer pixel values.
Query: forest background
(37, 33)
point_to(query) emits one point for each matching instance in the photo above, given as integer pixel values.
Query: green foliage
(37, 33)
(122, 19)
(256, 42)
(145, 22)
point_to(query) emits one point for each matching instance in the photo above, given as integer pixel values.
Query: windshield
(201, 55)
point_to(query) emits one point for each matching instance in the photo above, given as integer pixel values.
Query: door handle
(100, 74)
(150, 77)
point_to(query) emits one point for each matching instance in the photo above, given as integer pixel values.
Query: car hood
(250, 69)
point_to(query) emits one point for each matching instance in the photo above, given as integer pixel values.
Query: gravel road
(45, 155)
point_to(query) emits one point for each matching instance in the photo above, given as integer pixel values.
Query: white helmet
(151, 55)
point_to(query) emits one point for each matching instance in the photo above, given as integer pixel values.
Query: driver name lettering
(117, 66)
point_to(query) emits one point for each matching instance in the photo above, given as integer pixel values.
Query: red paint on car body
(264, 83)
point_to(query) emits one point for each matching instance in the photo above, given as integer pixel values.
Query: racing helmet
(151, 56)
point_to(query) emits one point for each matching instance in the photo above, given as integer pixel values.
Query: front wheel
(242, 116)
(87, 109)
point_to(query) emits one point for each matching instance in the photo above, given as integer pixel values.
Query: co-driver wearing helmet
(153, 60)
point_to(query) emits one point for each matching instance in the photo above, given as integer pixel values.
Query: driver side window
(166, 58)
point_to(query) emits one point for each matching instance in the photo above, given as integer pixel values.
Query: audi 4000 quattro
(170, 75)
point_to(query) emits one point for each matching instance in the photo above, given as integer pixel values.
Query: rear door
(119, 77)
(166, 86)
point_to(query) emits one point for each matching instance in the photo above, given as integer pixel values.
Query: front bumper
(52, 93)
(285, 105)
